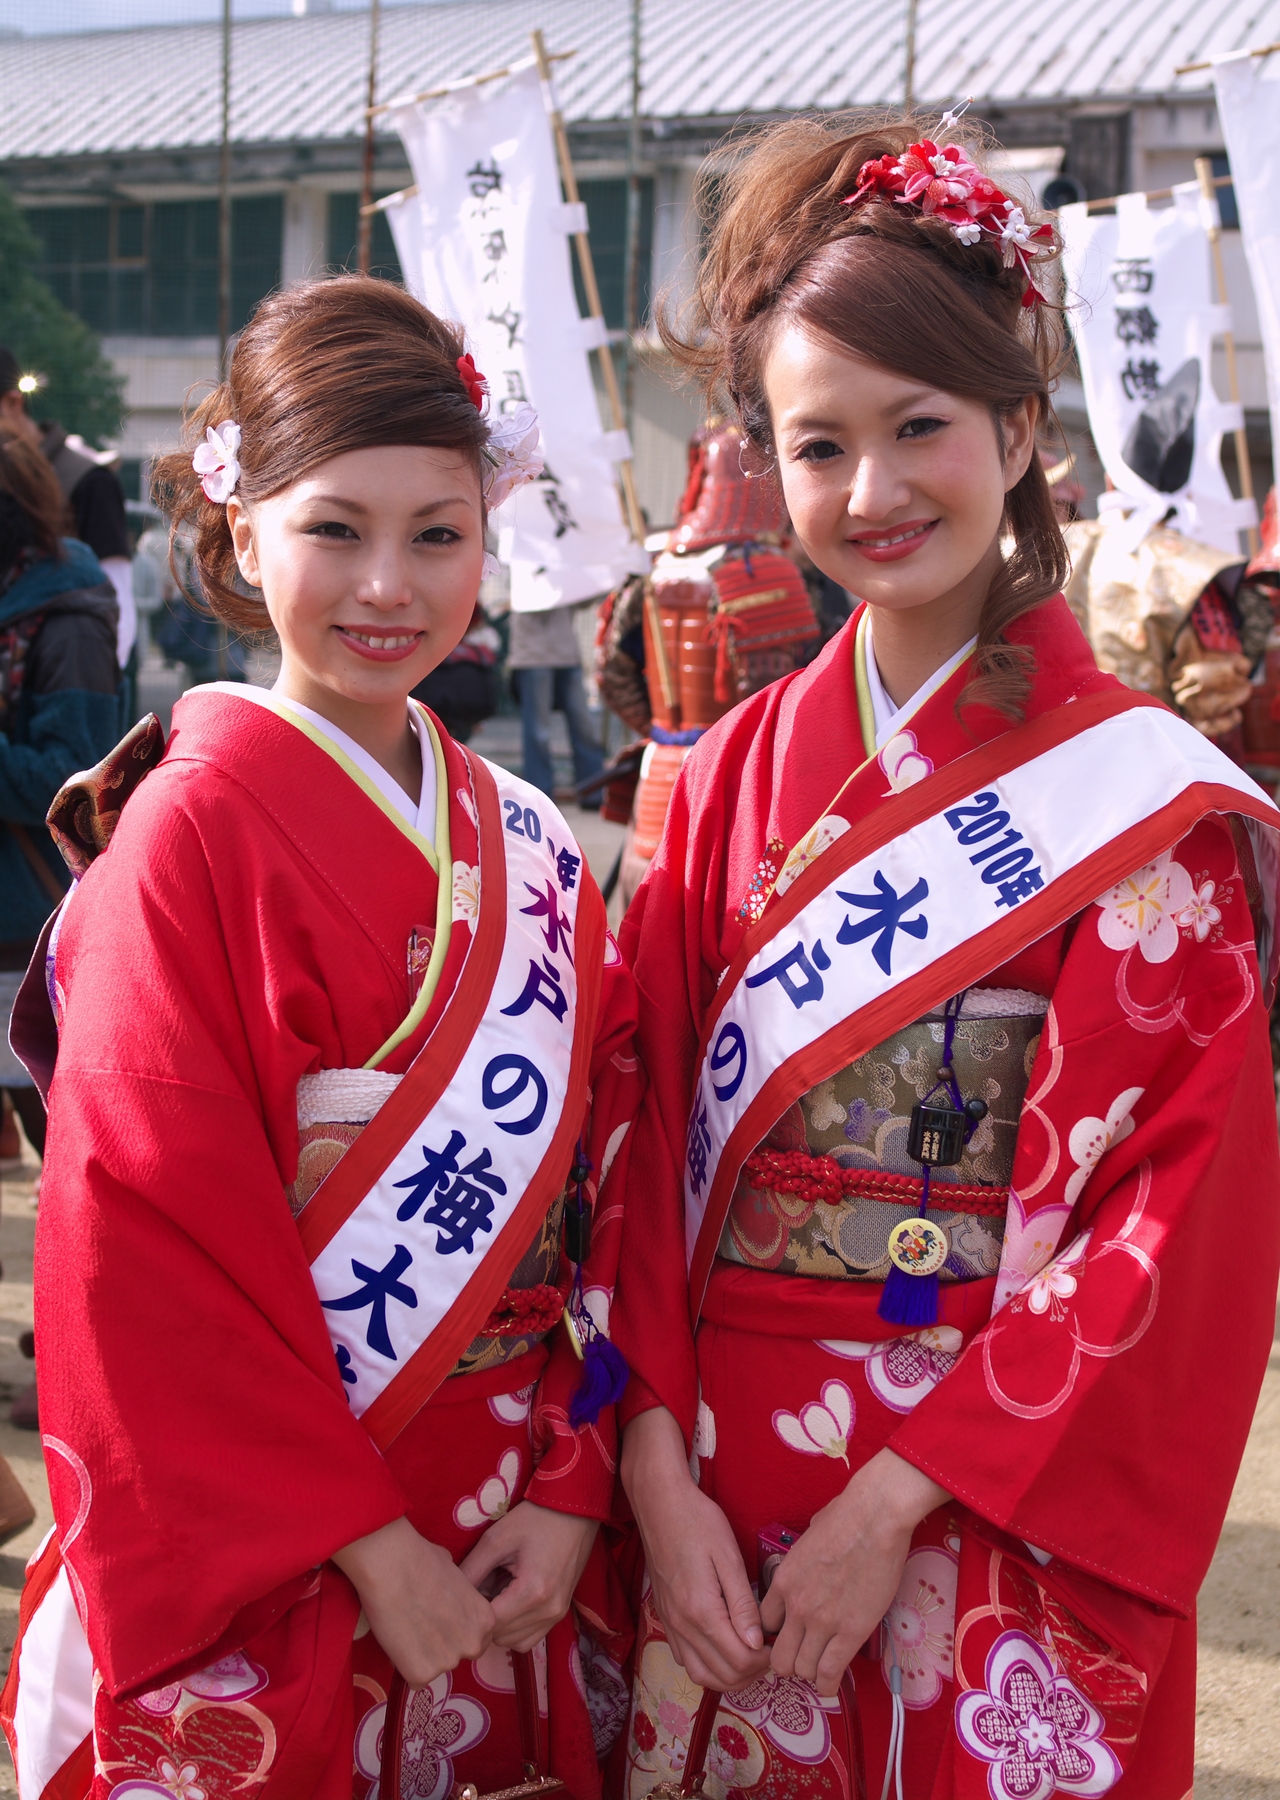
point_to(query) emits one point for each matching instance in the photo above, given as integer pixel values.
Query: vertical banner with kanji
(1248, 90)
(1144, 324)
(486, 242)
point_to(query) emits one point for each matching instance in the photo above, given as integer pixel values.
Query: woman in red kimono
(337, 1015)
(952, 1263)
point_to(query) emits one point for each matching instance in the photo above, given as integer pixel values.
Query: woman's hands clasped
(430, 1614)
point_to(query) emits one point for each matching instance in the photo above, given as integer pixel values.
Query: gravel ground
(1238, 1723)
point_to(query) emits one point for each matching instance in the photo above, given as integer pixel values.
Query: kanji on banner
(1138, 285)
(486, 242)
(1248, 89)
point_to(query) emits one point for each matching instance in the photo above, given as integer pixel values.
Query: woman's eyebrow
(345, 504)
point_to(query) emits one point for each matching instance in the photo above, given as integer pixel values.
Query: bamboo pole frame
(587, 267)
(1193, 68)
(1208, 187)
(456, 87)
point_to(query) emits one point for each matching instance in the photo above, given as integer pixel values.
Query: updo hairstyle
(900, 289)
(350, 363)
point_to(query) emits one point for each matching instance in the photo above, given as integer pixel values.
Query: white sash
(904, 912)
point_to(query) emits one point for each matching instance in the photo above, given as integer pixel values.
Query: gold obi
(859, 1119)
(333, 1109)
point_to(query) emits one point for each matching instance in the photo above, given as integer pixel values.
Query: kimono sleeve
(200, 1450)
(1102, 1414)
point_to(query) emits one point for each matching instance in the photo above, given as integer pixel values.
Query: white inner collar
(889, 718)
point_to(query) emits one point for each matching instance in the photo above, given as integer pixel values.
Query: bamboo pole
(1204, 174)
(466, 81)
(1191, 68)
(1218, 181)
(365, 238)
(626, 474)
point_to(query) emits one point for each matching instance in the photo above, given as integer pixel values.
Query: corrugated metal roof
(303, 79)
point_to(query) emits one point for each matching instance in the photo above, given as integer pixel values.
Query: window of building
(607, 225)
(1226, 196)
(152, 270)
(344, 239)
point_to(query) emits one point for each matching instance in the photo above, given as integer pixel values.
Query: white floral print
(822, 1427)
(903, 762)
(1142, 909)
(1046, 1292)
(466, 892)
(1091, 1138)
(825, 833)
(1200, 915)
(920, 1625)
(1034, 1727)
(493, 1497)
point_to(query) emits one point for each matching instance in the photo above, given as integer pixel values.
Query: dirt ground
(1238, 1727)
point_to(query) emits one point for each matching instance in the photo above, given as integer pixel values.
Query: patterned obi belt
(823, 1191)
(333, 1109)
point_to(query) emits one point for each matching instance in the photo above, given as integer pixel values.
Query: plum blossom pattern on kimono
(439, 1726)
(493, 1497)
(901, 1371)
(173, 1783)
(920, 1626)
(466, 892)
(229, 1679)
(513, 1408)
(822, 1427)
(1145, 909)
(829, 828)
(903, 762)
(1046, 1292)
(1034, 1727)
(1091, 1138)
(790, 1713)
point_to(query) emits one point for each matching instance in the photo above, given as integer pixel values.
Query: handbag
(533, 1742)
(849, 1741)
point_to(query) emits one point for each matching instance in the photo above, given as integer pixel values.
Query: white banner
(486, 242)
(1144, 324)
(1248, 90)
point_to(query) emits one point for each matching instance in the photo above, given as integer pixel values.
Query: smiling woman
(951, 1081)
(338, 1024)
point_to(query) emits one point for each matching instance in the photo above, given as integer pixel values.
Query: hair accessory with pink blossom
(215, 462)
(474, 382)
(946, 184)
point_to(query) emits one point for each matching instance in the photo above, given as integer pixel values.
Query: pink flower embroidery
(822, 1427)
(1199, 914)
(1034, 1727)
(1046, 1293)
(1142, 909)
(215, 462)
(1030, 1240)
(921, 1625)
(229, 1679)
(902, 762)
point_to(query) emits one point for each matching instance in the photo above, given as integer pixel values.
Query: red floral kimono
(1106, 1307)
(239, 979)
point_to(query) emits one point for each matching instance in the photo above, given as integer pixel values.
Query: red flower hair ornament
(474, 382)
(945, 184)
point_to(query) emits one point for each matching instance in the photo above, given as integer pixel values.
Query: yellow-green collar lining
(862, 686)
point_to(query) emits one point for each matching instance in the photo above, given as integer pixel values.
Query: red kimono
(260, 918)
(1087, 1388)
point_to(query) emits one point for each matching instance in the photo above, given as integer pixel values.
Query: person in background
(545, 656)
(463, 690)
(58, 713)
(93, 492)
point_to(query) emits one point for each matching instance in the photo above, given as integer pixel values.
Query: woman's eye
(439, 534)
(918, 428)
(331, 528)
(819, 450)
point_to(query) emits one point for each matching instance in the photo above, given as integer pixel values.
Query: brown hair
(900, 289)
(38, 515)
(350, 363)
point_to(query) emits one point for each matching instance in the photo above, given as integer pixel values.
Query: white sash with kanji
(943, 884)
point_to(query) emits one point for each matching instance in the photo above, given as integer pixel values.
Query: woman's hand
(423, 1611)
(700, 1585)
(838, 1581)
(541, 1554)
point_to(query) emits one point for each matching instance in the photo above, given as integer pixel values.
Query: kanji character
(558, 508)
(439, 1169)
(380, 1285)
(557, 927)
(1140, 380)
(886, 908)
(797, 959)
(1133, 275)
(345, 1369)
(484, 181)
(509, 318)
(567, 866)
(495, 246)
(1020, 887)
(543, 985)
(699, 1144)
(463, 1211)
(515, 394)
(1136, 325)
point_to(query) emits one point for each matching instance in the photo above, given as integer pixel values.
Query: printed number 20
(523, 822)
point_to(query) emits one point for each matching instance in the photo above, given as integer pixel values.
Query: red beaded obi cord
(300, 1259)
(961, 1140)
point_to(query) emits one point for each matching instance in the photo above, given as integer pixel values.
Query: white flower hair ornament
(215, 462)
(513, 451)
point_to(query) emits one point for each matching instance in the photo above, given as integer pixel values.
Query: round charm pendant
(918, 1247)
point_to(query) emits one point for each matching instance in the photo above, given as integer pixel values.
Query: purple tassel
(604, 1381)
(909, 1299)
